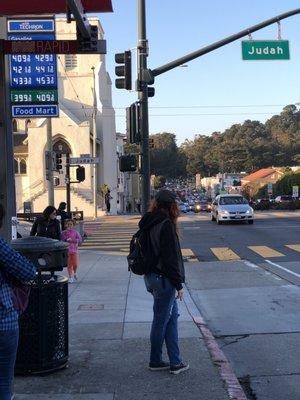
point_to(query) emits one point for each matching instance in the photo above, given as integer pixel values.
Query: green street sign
(265, 50)
(33, 96)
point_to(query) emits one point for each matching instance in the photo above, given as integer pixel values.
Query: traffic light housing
(128, 163)
(133, 123)
(80, 174)
(90, 44)
(58, 162)
(124, 70)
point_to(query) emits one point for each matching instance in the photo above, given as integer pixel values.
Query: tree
(159, 182)
(165, 158)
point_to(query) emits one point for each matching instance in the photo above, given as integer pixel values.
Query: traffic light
(123, 70)
(58, 161)
(132, 123)
(80, 174)
(56, 181)
(90, 44)
(127, 163)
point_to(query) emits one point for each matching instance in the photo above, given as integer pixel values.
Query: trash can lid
(38, 243)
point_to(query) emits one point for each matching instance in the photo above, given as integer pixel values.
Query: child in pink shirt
(71, 236)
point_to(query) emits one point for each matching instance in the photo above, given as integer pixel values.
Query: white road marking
(283, 268)
(254, 266)
(250, 264)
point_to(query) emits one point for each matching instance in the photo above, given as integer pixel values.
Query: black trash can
(44, 336)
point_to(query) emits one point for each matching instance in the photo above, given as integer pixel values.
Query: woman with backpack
(12, 266)
(47, 225)
(165, 281)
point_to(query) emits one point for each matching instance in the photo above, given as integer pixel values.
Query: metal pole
(68, 184)
(143, 99)
(95, 169)
(207, 49)
(7, 176)
(50, 173)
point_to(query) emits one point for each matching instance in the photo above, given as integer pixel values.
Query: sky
(218, 89)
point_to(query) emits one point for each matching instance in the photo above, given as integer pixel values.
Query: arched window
(16, 166)
(15, 125)
(23, 167)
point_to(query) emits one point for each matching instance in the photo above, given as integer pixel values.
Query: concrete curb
(232, 384)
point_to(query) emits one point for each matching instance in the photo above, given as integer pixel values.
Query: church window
(23, 167)
(71, 61)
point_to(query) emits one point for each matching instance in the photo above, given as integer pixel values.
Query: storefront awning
(34, 7)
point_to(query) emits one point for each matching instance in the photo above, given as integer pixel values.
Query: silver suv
(231, 207)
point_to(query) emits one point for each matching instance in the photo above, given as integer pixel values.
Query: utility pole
(143, 99)
(50, 172)
(95, 169)
(7, 176)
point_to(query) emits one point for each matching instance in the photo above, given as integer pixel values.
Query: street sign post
(265, 50)
(33, 77)
(83, 160)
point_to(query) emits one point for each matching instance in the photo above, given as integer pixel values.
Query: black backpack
(142, 255)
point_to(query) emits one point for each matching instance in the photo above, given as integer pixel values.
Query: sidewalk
(110, 318)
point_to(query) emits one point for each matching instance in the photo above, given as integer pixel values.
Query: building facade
(79, 77)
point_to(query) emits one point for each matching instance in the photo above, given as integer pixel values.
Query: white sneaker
(75, 277)
(71, 280)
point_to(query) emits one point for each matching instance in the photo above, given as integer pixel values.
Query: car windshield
(232, 200)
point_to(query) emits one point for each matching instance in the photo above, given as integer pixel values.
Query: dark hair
(62, 205)
(168, 208)
(48, 211)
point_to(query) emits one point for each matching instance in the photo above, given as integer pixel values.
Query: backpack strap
(155, 233)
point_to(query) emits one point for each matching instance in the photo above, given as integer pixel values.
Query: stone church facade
(72, 133)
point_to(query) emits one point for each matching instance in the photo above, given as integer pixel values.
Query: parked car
(284, 199)
(202, 206)
(229, 207)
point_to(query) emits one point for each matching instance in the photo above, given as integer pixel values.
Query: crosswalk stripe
(266, 251)
(100, 246)
(189, 254)
(295, 247)
(224, 253)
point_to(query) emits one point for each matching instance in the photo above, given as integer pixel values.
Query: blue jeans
(8, 353)
(165, 318)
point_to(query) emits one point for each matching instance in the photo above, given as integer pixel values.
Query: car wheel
(250, 222)
(212, 217)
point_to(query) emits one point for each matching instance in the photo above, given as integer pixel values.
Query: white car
(231, 207)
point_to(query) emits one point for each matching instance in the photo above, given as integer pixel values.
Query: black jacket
(43, 227)
(169, 248)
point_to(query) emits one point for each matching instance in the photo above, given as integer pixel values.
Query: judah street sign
(265, 50)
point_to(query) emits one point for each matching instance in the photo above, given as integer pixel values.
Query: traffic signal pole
(7, 176)
(143, 100)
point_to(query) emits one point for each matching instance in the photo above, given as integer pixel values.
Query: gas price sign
(33, 77)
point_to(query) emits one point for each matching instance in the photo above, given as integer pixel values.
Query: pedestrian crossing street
(113, 238)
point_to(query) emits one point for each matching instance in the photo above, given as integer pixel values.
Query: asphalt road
(252, 302)
(274, 231)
